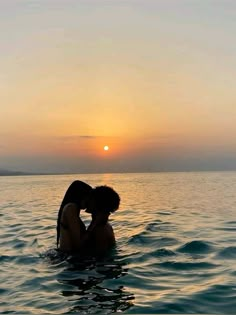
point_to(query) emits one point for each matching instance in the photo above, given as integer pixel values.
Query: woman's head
(77, 193)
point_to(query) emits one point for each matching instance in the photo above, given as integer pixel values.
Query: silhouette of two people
(72, 235)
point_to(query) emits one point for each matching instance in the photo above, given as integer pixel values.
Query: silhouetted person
(70, 228)
(100, 237)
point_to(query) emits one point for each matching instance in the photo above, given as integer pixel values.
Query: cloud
(77, 137)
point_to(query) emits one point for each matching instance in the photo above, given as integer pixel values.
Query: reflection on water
(89, 286)
(175, 248)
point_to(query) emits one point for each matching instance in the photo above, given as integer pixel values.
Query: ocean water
(175, 253)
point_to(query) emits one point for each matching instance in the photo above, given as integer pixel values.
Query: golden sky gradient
(152, 79)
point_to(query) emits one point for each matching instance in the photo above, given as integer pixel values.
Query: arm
(97, 226)
(98, 220)
(70, 236)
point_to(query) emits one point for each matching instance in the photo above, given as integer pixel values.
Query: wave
(184, 266)
(196, 247)
(144, 238)
(227, 253)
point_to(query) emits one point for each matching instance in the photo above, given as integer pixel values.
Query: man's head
(103, 199)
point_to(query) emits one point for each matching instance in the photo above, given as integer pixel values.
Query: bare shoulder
(107, 228)
(105, 234)
(69, 210)
(70, 205)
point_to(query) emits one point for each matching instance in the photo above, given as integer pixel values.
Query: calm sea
(175, 253)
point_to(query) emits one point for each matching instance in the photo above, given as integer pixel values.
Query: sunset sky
(155, 80)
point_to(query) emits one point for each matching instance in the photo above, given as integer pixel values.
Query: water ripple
(227, 253)
(196, 246)
(186, 266)
(175, 248)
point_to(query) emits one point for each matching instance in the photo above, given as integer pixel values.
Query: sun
(106, 148)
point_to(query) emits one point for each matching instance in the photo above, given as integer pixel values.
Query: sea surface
(175, 252)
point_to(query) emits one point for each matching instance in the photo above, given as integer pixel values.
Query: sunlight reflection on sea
(175, 250)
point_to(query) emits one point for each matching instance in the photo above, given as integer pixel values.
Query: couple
(72, 236)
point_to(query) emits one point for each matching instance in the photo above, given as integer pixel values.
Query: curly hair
(106, 198)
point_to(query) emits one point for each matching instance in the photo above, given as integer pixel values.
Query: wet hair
(106, 198)
(76, 192)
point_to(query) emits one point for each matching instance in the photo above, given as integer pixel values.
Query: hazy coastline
(23, 173)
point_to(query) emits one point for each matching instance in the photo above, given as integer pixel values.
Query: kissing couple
(72, 236)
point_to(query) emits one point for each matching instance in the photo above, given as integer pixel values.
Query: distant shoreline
(15, 173)
(18, 173)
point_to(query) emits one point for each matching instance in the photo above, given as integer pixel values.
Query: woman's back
(72, 229)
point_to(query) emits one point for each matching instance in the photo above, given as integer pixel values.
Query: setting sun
(106, 148)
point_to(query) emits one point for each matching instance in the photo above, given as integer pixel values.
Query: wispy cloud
(88, 137)
(80, 137)
(76, 137)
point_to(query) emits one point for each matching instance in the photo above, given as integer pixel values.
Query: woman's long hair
(76, 192)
